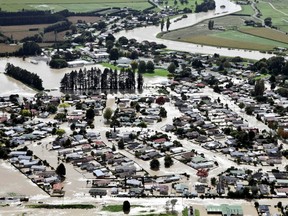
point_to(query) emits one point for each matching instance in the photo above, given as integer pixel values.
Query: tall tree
(61, 170)
(150, 67)
(168, 23)
(134, 65)
(154, 164)
(140, 81)
(90, 114)
(114, 54)
(141, 67)
(168, 161)
(108, 113)
(162, 24)
(126, 207)
(171, 68)
(259, 87)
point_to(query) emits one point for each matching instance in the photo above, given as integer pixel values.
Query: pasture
(71, 5)
(19, 32)
(6, 48)
(252, 40)
(277, 10)
(227, 42)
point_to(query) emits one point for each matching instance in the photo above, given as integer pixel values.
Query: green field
(246, 9)
(234, 39)
(266, 33)
(108, 65)
(279, 15)
(250, 38)
(157, 72)
(71, 5)
(246, 38)
(117, 208)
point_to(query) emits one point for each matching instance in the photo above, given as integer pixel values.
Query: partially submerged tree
(154, 164)
(168, 23)
(126, 207)
(108, 113)
(61, 170)
(162, 24)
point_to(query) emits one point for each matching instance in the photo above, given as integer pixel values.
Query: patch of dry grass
(268, 33)
(6, 48)
(19, 32)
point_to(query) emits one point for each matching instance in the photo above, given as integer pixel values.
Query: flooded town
(130, 123)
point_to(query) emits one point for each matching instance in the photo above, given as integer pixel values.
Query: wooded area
(24, 76)
(96, 79)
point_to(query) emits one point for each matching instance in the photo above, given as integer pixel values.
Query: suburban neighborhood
(171, 132)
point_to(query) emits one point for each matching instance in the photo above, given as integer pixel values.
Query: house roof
(225, 209)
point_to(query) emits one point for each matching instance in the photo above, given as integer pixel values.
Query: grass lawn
(185, 212)
(116, 208)
(108, 65)
(113, 208)
(157, 72)
(197, 212)
(262, 76)
(72, 5)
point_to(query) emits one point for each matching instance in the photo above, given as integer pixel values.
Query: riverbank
(150, 34)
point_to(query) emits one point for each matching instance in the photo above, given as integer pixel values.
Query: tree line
(205, 6)
(98, 79)
(24, 76)
(29, 17)
(276, 65)
(58, 27)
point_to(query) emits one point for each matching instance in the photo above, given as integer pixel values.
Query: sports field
(71, 5)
